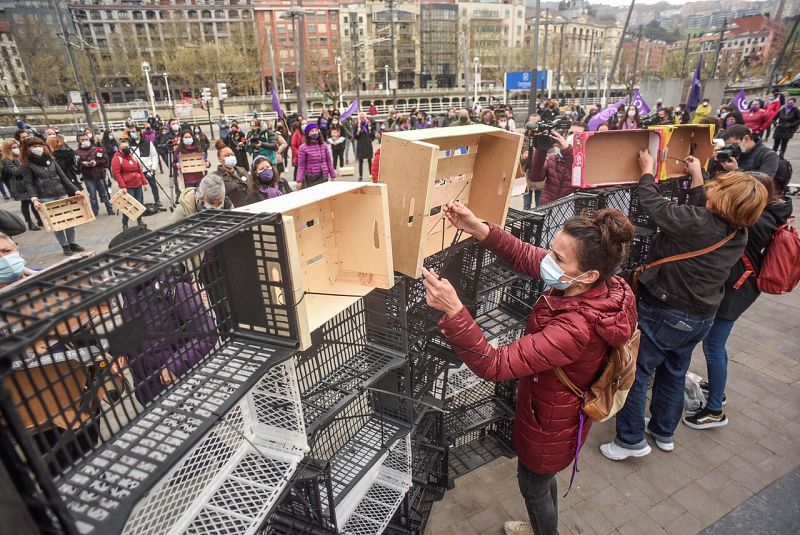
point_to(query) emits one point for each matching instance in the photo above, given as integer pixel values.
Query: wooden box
(339, 245)
(607, 158)
(125, 203)
(66, 213)
(680, 141)
(426, 169)
(193, 162)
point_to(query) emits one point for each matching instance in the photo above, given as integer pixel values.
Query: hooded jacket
(43, 178)
(703, 111)
(179, 331)
(556, 172)
(573, 333)
(736, 301)
(127, 171)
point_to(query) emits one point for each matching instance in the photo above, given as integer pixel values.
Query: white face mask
(230, 161)
(175, 127)
(37, 151)
(632, 113)
(15, 151)
(188, 141)
(85, 144)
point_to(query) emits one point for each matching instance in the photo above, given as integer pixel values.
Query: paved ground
(710, 473)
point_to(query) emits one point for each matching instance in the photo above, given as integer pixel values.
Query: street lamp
(338, 62)
(283, 86)
(146, 71)
(475, 81)
(169, 96)
(605, 84)
(386, 70)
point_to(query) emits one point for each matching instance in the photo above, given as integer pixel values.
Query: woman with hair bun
(587, 311)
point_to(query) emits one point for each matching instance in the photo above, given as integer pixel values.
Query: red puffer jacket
(127, 171)
(570, 332)
(557, 171)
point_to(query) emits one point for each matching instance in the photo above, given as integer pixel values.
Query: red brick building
(752, 42)
(321, 19)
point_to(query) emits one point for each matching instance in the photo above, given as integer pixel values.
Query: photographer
(555, 169)
(534, 190)
(743, 152)
(236, 140)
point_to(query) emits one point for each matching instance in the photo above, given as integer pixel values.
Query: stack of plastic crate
(205, 441)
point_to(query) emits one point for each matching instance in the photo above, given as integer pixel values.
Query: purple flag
(351, 109)
(605, 115)
(739, 101)
(276, 105)
(638, 101)
(696, 89)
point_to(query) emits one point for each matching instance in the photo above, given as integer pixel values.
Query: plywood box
(607, 158)
(680, 141)
(192, 162)
(66, 213)
(339, 246)
(426, 169)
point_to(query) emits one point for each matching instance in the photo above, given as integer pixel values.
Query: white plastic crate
(229, 482)
(370, 505)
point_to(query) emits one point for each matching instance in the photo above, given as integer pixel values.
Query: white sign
(75, 97)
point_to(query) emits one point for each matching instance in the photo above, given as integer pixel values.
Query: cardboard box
(193, 162)
(680, 141)
(426, 169)
(339, 247)
(608, 158)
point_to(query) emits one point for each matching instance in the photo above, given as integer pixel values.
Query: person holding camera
(237, 141)
(743, 152)
(697, 245)
(555, 169)
(92, 160)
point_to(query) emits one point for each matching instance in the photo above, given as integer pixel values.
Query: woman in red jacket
(129, 176)
(572, 326)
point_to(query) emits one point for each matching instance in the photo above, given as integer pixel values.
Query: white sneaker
(663, 446)
(514, 527)
(615, 452)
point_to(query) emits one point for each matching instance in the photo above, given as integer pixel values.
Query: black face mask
(126, 151)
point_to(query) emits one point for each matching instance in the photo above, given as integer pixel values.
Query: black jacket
(694, 286)
(786, 123)
(736, 301)
(66, 160)
(12, 175)
(759, 158)
(45, 180)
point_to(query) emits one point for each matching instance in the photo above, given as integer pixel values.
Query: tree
(203, 66)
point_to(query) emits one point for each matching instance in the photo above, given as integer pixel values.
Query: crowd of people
(706, 253)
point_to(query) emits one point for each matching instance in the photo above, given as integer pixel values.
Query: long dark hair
(24, 157)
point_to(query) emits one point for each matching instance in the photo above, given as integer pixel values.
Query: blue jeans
(95, 187)
(529, 196)
(64, 237)
(138, 194)
(717, 361)
(668, 338)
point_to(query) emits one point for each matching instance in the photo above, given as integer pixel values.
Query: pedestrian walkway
(709, 474)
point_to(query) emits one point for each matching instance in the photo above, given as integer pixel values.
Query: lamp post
(475, 81)
(169, 95)
(605, 84)
(386, 70)
(146, 71)
(283, 86)
(338, 62)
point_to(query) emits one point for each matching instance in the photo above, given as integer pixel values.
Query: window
(233, 14)
(219, 14)
(137, 15)
(206, 14)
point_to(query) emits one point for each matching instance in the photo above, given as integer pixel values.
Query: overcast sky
(627, 2)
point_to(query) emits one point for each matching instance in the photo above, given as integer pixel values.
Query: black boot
(67, 250)
(33, 226)
(76, 248)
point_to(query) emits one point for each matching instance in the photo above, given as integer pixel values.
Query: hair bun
(615, 229)
(219, 144)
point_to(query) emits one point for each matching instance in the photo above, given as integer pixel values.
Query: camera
(651, 120)
(539, 132)
(731, 150)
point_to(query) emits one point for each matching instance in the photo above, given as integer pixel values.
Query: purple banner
(605, 115)
(351, 109)
(638, 101)
(696, 89)
(739, 101)
(276, 105)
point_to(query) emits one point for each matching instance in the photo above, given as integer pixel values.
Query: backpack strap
(749, 271)
(562, 377)
(693, 254)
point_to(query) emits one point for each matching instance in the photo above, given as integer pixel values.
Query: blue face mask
(11, 267)
(551, 273)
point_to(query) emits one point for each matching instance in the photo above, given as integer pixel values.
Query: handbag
(633, 281)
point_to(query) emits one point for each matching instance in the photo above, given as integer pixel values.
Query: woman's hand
(646, 162)
(37, 205)
(462, 218)
(440, 294)
(560, 140)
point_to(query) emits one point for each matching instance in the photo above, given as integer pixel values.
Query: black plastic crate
(527, 226)
(519, 297)
(428, 367)
(675, 189)
(616, 197)
(355, 439)
(638, 250)
(193, 342)
(304, 508)
(556, 213)
(472, 409)
(429, 450)
(481, 446)
(412, 516)
(496, 319)
(352, 351)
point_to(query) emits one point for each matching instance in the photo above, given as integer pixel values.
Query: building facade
(439, 44)
(14, 80)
